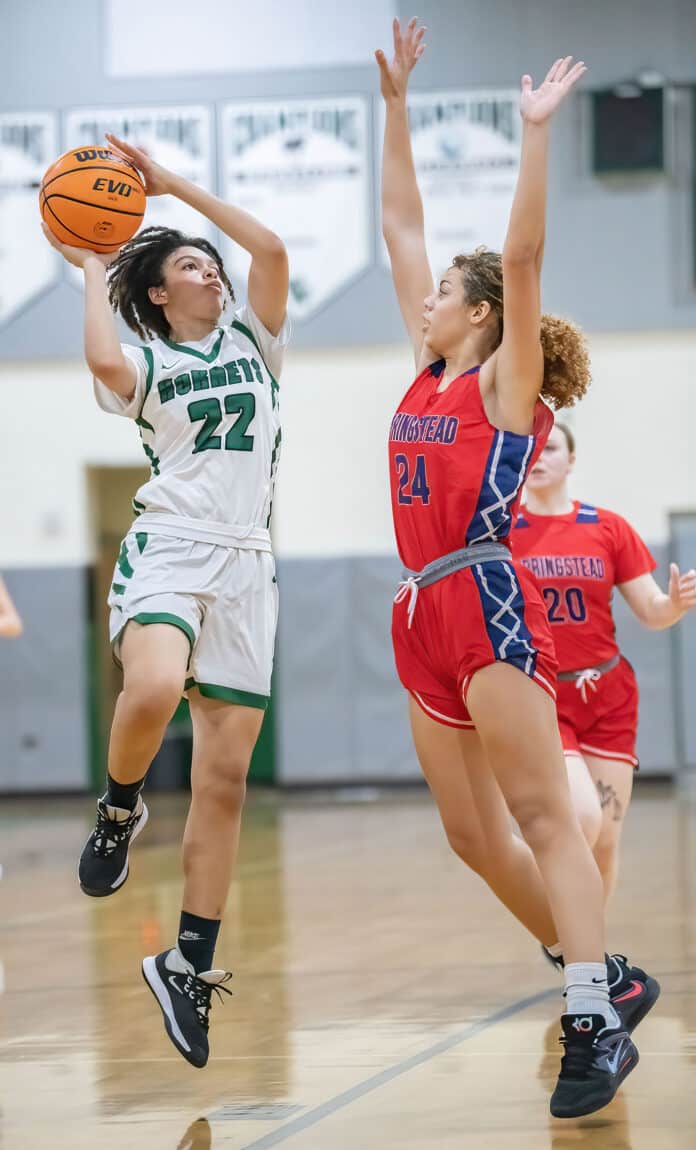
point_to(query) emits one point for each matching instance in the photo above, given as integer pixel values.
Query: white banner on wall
(466, 148)
(28, 264)
(300, 167)
(179, 138)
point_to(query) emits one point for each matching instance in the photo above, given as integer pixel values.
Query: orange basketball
(91, 198)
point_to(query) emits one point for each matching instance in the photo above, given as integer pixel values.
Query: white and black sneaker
(597, 1058)
(184, 998)
(104, 860)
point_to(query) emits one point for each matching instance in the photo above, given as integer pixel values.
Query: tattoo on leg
(608, 797)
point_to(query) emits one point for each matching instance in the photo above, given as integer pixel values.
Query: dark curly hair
(139, 266)
(566, 361)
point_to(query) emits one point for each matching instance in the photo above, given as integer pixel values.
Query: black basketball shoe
(184, 998)
(104, 860)
(556, 963)
(595, 1062)
(632, 992)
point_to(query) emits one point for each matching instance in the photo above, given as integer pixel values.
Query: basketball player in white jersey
(193, 599)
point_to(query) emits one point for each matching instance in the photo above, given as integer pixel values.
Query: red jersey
(455, 479)
(578, 559)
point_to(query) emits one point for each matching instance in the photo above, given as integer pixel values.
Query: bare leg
(583, 794)
(224, 736)
(525, 754)
(154, 670)
(614, 783)
(477, 822)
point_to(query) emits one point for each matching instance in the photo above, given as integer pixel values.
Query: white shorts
(224, 599)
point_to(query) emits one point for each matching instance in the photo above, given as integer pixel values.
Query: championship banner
(28, 263)
(179, 138)
(466, 148)
(300, 167)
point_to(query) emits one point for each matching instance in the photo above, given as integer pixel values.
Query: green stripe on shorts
(229, 695)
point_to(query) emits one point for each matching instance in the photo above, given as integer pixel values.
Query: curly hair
(139, 266)
(567, 373)
(566, 360)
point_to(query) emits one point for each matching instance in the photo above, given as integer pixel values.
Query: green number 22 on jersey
(209, 413)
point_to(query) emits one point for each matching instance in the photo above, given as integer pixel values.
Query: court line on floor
(339, 1101)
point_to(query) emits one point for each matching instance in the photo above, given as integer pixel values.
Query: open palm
(538, 105)
(408, 49)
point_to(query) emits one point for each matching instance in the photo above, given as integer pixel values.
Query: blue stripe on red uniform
(505, 472)
(502, 603)
(587, 514)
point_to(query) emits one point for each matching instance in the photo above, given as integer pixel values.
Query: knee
(470, 846)
(606, 847)
(221, 782)
(540, 821)
(153, 701)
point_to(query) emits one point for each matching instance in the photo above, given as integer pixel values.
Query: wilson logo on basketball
(93, 154)
(117, 187)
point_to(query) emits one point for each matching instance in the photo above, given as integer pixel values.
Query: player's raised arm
(268, 274)
(519, 367)
(402, 207)
(103, 351)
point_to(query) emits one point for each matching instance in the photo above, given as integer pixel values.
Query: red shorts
(607, 723)
(492, 612)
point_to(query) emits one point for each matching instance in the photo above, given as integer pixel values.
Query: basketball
(91, 198)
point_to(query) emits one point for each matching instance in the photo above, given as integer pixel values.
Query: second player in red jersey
(579, 553)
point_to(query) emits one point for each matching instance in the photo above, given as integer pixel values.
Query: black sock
(197, 938)
(124, 795)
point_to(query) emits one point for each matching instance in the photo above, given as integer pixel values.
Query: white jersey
(207, 412)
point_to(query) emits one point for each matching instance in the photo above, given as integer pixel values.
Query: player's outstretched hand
(156, 178)
(538, 104)
(682, 588)
(408, 49)
(77, 256)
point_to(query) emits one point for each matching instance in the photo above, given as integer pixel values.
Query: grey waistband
(600, 669)
(456, 561)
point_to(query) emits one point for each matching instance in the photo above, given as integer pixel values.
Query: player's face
(553, 465)
(444, 313)
(193, 285)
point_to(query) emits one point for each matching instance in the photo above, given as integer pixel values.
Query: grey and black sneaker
(184, 998)
(104, 860)
(596, 1060)
(632, 992)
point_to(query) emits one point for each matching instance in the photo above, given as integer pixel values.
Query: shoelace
(109, 834)
(200, 993)
(587, 678)
(577, 1059)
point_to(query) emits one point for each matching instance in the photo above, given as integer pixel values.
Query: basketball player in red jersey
(472, 643)
(578, 554)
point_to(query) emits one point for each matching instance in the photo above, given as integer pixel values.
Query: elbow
(275, 249)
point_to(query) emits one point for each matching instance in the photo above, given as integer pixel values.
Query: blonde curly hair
(566, 360)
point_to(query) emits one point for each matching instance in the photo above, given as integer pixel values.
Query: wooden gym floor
(382, 998)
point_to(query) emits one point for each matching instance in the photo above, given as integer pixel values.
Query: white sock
(556, 951)
(587, 991)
